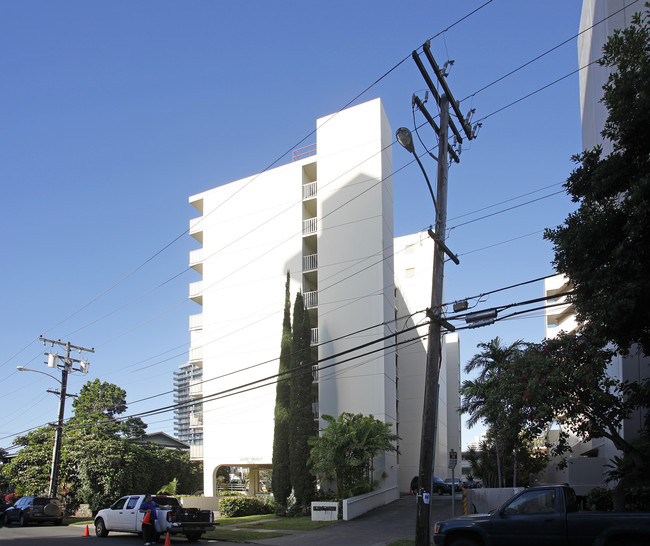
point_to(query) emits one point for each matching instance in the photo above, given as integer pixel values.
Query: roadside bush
(234, 507)
(599, 499)
(224, 493)
(637, 499)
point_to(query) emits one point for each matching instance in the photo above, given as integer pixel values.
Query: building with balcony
(187, 405)
(327, 219)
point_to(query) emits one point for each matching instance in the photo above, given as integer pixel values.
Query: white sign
(453, 458)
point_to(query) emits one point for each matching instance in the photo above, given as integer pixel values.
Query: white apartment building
(327, 219)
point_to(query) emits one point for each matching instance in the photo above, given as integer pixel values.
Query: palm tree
(481, 399)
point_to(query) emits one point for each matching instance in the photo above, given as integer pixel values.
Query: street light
(23, 369)
(405, 138)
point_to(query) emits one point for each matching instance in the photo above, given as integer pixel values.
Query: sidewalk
(381, 526)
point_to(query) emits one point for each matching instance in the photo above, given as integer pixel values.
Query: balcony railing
(196, 256)
(196, 321)
(196, 420)
(196, 452)
(309, 191)
(311, 299)
(314, 409)
(196, 388)
(314, 336)
(302, 153)
(309, 226)
(309, 263)
(196, 292)
(196, 228)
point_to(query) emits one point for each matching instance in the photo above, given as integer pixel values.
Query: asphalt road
(395, 521)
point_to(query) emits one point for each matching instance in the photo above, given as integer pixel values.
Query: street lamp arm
(435, 205)
(23, 369)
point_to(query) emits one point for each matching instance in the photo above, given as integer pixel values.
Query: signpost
(453, 459)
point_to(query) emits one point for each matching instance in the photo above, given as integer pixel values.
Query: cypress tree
(281, 474)
(302, 426)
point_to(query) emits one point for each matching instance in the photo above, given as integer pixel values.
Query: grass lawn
(254, 527)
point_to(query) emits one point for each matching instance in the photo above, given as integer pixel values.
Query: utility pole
(434, 351)
(66, 368)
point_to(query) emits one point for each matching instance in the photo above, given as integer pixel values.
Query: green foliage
(98, 464)
(97, 409)
(493, 398)
(599, 499)
(346, 448)
(302, 426)
(604, 247)
(232, 507)
(281, 474)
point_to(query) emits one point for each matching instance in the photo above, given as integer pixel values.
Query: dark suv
(37, 509)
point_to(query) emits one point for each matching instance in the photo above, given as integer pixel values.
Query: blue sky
(115, 112)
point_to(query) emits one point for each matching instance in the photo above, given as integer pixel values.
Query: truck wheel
(440, 491)
(193, 537)
(22, 520)
(100, 528)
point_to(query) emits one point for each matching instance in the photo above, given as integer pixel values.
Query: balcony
(311, 299)
(309, 263)
(314, 336)
(196, 322)
(196, 356)
(196, 388)
(196, 292)
(302, 153)
(196, 260)
(196, 420)
(196, 452)
(196, 228)
(314, 409)
(309, 226)
(309, 191)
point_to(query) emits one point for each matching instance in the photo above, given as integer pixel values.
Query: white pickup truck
(124, 515)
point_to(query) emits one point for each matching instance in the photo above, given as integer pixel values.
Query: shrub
(234, 507)
(599, 499)
(637, 499)
(224, 493)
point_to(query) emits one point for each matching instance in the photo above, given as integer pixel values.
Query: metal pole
(434, 351)
(56, 452)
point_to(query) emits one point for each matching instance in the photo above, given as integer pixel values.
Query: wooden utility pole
(434, 351)
(66, 368)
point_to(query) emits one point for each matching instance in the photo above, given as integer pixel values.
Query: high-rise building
(326, 218)
(188, 425)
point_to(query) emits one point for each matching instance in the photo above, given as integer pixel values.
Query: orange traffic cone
(86, 533)
(168, 541)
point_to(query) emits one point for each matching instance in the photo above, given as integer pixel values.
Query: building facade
(326, 218)
(188, 423)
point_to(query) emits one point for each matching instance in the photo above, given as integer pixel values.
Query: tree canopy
(604, 246)
(98, 462)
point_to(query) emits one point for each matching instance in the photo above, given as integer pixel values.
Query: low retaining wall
(204, 503)
(355, 506)
(481, 501)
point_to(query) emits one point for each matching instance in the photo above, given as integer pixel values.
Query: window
(119, 504)
(533, 502)
(132, 502)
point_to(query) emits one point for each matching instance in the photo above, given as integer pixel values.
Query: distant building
(187, 415)
(327, 219)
